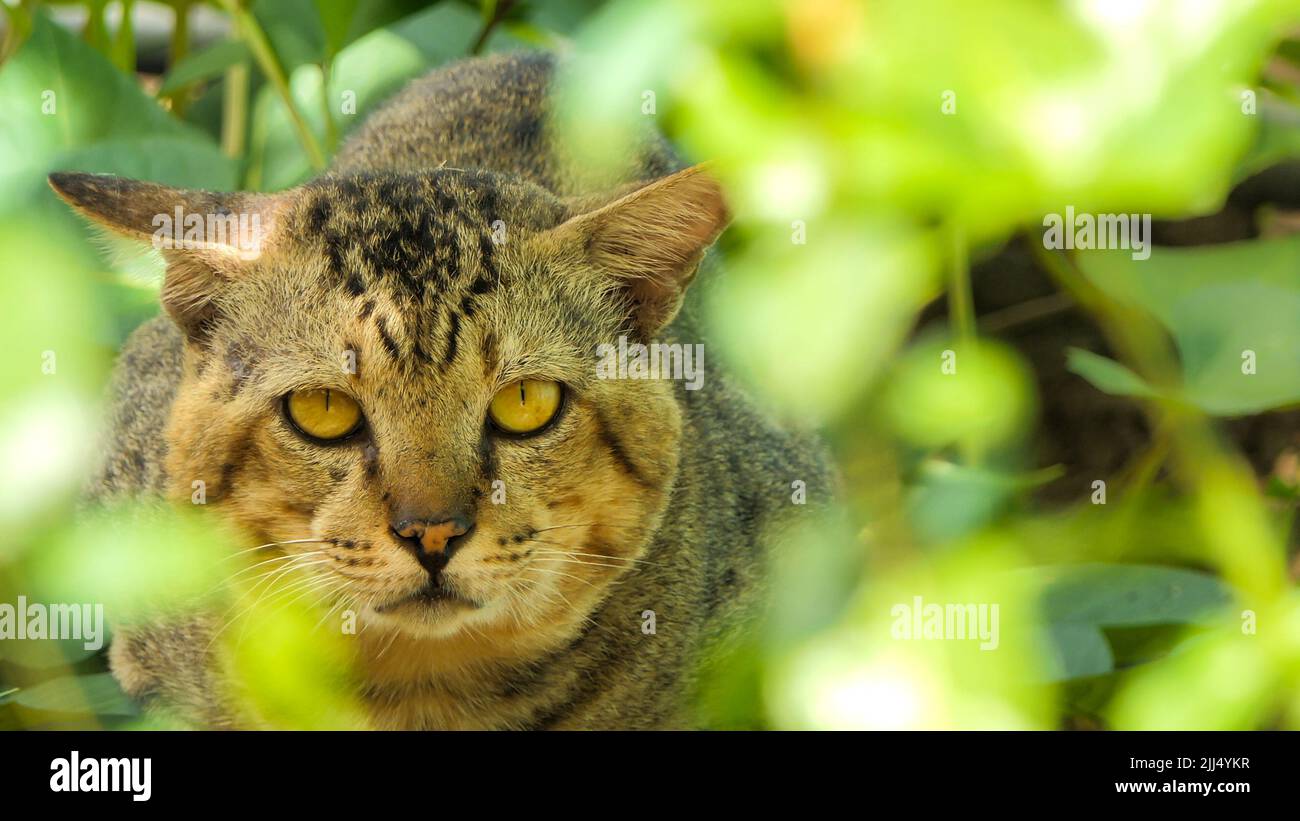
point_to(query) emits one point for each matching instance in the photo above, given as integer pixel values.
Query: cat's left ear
(207, 238)
(651, 241)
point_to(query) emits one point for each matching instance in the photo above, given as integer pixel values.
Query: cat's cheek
(632, 440)
(210, 451)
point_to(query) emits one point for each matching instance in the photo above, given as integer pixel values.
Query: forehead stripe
(451, 341)
(389, 343)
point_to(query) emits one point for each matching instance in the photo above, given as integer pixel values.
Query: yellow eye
(525, 406)
(323, 413)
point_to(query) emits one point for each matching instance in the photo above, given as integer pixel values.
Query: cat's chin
(428, 612)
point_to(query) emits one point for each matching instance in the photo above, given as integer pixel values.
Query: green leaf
(1228, 307)
(204, 65)
(97, 693)
(1045, 113)
(950, 500)
(1129, 595)
(1078, 602)
(1278, 138)
(363, 74)
(1107, 375)
(294, 29)
(52, 652)
(1076, 651)
(67, 108)
(122, 49)
(336, 20)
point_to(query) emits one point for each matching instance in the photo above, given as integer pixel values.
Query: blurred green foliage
(871, 148)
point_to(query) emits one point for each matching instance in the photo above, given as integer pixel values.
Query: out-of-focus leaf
(67, 109)
(975, 396)
(1278, 138)
(294, 673)
(872, 672)
(204, 65)
(1076, 650)
(361, 75)
(53, 651)
(1126, 595)
(336, 20)
(987, 114)
(951, 500)
(147, 560)
(861, 283)
(1227, 682)
(1077, 601)
(122, 48)
(51, 372)
(344, 21)
(730, 696)
(1107, 374)
(294, 30)
(1232, 311)
(97, 693)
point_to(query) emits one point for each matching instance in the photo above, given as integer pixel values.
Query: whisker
(275, 544)
(230, 579)
(390, 643)
(568, 549)
(306, 586)
(566, 575)
(275, 574)
(586, 619)
(552, 556)
(272, 575)
(328, 585)
(586, 524)
(344, 599)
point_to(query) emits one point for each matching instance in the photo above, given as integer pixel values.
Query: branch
(499, 13)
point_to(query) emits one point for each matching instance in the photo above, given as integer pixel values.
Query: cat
(409, 335)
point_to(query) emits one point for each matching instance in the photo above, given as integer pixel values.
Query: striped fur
(661, 498)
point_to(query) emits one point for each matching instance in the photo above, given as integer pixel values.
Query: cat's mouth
(432, 595)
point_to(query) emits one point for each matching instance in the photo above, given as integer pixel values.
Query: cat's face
(401, 388)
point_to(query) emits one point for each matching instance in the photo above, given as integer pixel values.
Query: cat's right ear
(206, 238)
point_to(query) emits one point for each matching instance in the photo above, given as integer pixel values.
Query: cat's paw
(170, 670)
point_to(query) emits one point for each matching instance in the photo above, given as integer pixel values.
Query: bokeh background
(890, 164)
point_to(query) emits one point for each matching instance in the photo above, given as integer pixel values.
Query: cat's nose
(433, 540)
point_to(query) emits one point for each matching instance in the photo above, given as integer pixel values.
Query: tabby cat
(399, 365)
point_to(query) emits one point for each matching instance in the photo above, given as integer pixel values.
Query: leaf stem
(234, 110)
(331, 128)
(961, 303)
(180, 47)
(1244, 546)
(251, 32)
(500, 10)
(1136, 337)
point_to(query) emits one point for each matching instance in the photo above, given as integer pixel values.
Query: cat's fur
(664, 498)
